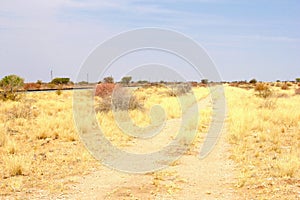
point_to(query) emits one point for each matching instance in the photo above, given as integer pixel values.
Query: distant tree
(298, 80)
(58, 81)
(83, 83)
(253, 81)
(126, 80)
(40, 82)
(142, 81)
(108, 79)
(204, 81)
(10, 84)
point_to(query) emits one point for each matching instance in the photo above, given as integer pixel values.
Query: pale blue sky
(259, 38)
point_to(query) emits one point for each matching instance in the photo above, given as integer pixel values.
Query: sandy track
(189, 178)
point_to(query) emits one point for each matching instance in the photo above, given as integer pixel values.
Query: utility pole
(51, 75)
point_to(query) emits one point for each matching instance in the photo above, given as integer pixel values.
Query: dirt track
(188, 178)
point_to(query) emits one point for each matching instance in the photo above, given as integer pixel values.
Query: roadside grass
(265, 143)
(39, 147)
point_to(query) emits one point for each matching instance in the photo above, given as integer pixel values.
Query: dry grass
(265, 143)
(40, 148)
(39, 145)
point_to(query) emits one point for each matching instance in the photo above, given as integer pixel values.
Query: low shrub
(104, 89)
(58, 92)
(194, 84)
(297, 91)
(285, 86)
(253, 81)
(120, 100)
(204, 81)
(233, 84)
(179, 89)
(40, 82)
(32, 86)
(123, 99)
(58, 81)
(24, 109)
(108, 79)
(263, 90)
(10, 86)
(83, 83)
(51, 85)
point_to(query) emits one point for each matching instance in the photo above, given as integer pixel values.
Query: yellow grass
(265, 143)
(40, 148)
(39, 145)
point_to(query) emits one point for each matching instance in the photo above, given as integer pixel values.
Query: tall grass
(265, 142)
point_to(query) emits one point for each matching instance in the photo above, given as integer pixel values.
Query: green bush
(83, 83)
(126, 80)
(108, 79)
(40, 82)
(253, 81)
(58, 81)
(204, 81)
(298, 80)
(142, 81)
(10, 85)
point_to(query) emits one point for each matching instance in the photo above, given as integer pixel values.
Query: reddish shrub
(32, 86)
(194, 84)
(297, 91)
(263, 90)
(285, 87)
(202, 85)
(104, 89)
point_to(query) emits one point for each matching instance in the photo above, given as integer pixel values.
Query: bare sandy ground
(187, 178)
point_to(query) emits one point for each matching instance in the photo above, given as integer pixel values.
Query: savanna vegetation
(41, 152)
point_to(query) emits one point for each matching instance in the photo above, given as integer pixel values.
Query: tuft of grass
(58, 92)
(16, 165)
(287, 166)
(11, 146)
(3, 135)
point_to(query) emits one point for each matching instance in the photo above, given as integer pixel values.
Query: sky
(245, 39)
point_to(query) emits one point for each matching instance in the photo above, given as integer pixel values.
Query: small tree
(40, 82)
(108, 79)
(126, 80)
(10, 85)
(204, 81)
(58, 81)
(253, 81)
